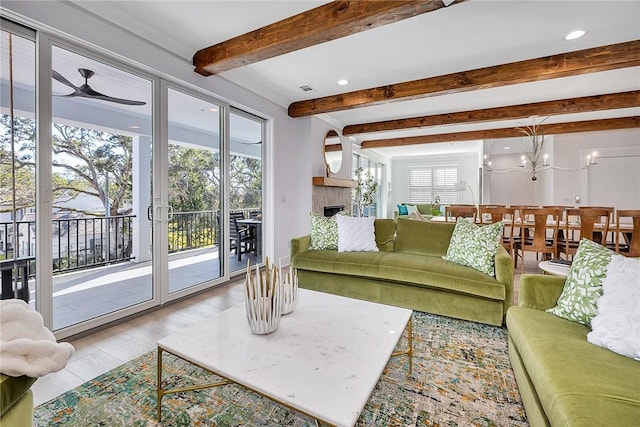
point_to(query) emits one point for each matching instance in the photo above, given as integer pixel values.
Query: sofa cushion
(422, 237)
(617, 325)
(414, 270)
(402, 210)
(583, 286)
(356, 234)
(324, 232)
(385, 230)
(475, 246)
(577, 383)
(12, 389)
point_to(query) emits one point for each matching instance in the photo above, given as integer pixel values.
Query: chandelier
(536, 160)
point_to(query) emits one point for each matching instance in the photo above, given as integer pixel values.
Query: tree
(25, 170)
(83, 161)
(246, 182)
(194, 179)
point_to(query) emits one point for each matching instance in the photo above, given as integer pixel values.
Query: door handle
(150, 213)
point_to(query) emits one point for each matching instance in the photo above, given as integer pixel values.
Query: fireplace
(332, 210)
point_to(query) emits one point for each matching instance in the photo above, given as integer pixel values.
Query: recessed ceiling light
(134, 127)
(575, 35)
(507, 148)
(212, 109)
(343, 82)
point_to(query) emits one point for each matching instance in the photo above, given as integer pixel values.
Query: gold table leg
(162, 392)
(409, 350)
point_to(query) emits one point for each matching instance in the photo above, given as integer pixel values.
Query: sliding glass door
(145, 190)
(194, 172)
(101, 176)
(246, 215)
(17, 164)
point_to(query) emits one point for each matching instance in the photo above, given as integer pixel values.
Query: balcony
(95, 271)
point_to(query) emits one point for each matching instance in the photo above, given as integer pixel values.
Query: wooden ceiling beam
(609, 101)
(585, 61)
(324, 23)
(549, 129)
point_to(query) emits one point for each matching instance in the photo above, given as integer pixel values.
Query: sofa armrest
(539, 291)
(504, 274)
(299, 245)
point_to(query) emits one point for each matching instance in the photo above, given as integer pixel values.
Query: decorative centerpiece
(263, 298)
(289, 278)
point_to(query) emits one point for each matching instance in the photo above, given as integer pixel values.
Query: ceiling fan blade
(85, 91)
(59, 77)
(117, 100)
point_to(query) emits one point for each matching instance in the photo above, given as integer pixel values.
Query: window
(425, 184)
(373, 170)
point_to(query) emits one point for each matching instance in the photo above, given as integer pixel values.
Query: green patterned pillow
(475, 246)
(583, 287)
(324, 232)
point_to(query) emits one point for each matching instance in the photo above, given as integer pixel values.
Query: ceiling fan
(85, 91)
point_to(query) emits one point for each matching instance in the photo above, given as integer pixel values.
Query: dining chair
(587, 219)
(454, 211)
(631, 246)
(241, 240)
(519, 217)
(536, 240)
(610, 243)
(507, 216)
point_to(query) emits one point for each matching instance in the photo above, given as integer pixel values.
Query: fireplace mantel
(323, 181)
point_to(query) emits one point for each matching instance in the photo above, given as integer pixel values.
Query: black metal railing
(77, 243)
(80, 243)
(91, 241)
(192, 230)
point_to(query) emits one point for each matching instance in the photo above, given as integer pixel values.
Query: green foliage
(246, 183)
(364, 194)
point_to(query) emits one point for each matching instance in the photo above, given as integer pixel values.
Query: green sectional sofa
(409, 271)
(564, 380)
(16, 401)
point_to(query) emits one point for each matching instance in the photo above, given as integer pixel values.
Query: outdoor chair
(241, 238)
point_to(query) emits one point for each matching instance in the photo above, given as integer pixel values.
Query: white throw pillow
(356, 234)
(616, 325)
(412, 209)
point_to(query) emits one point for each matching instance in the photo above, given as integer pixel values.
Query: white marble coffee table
(323, 361)
(554, 269)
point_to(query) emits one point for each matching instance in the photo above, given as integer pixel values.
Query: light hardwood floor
(111, 347)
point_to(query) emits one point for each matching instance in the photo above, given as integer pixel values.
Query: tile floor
(108, 348)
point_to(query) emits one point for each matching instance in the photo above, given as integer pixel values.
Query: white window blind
(427, 183)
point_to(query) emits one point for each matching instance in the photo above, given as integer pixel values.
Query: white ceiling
(464, 36)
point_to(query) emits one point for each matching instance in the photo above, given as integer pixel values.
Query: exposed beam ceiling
(592, 60)
(556, 128)
(322, 24)
(548, 108)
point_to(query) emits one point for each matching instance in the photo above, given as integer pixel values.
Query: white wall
(614, 181)
(297, 142)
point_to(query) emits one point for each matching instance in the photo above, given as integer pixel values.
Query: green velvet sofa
(564, 380)
(409, 271)
(16, 401)
(424, 208)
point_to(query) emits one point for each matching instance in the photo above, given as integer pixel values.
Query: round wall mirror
(332, 152)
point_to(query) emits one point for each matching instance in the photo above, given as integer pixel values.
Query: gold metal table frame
(161, 392)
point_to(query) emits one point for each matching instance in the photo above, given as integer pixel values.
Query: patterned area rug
(461, 377)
